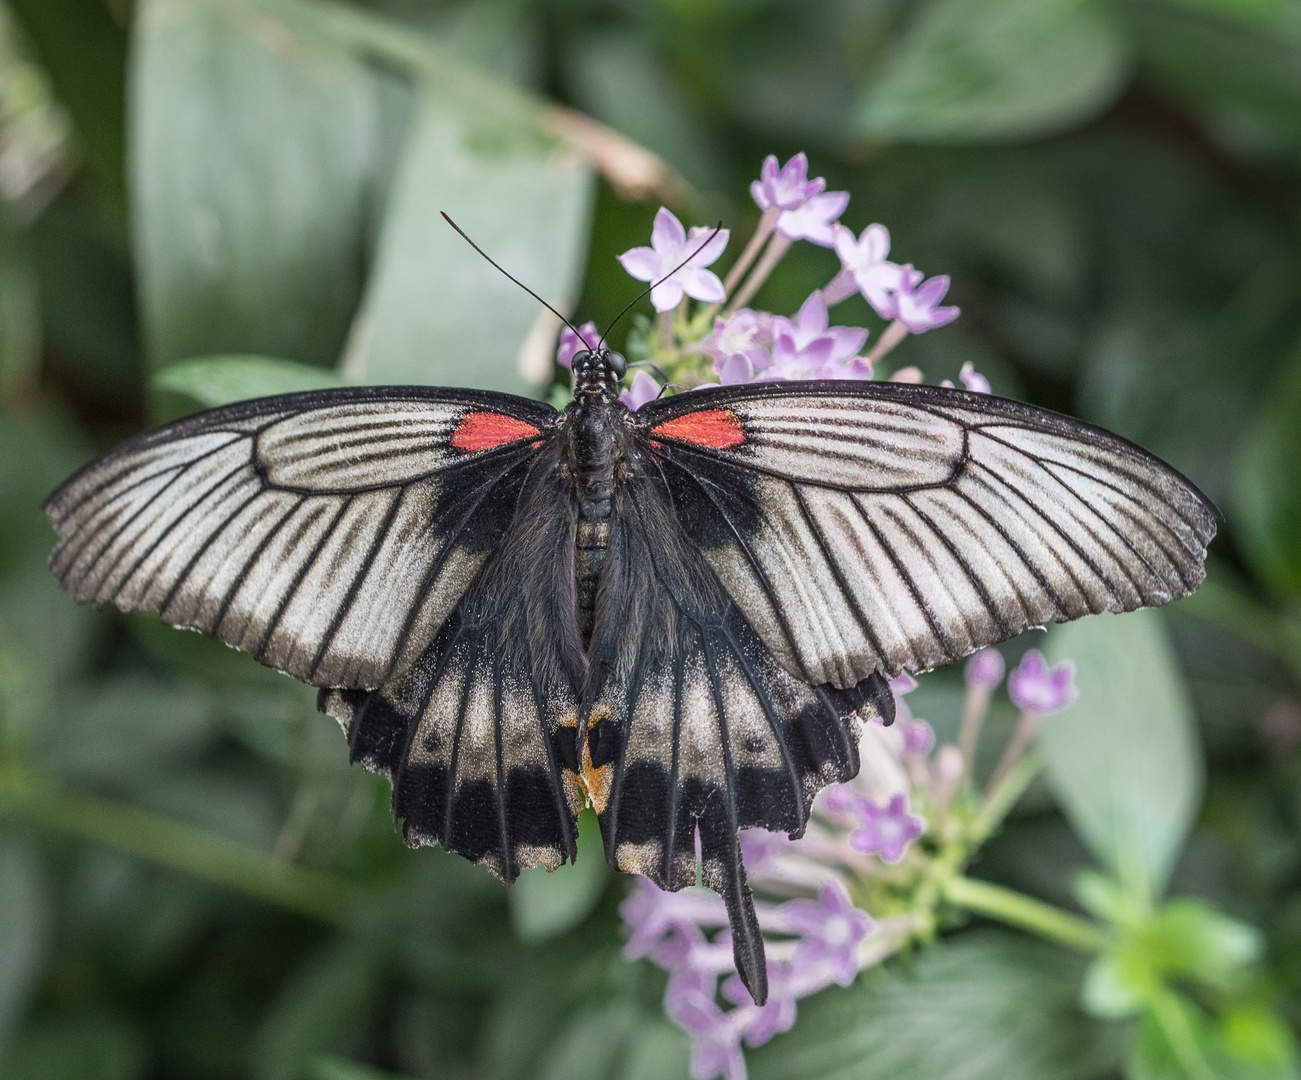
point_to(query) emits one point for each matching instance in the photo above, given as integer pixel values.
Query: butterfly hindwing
(329, 534)
(472, 736)
(877, 527)
(692, 728)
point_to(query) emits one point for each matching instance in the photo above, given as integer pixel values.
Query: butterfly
(678, 616)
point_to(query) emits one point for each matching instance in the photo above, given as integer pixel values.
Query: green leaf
(988, 1005)
(1267, 496)
(325, 1000)
(545, 905)
(84, 51)
(436, 311)
(1191, 938)
(89, 1046)
(1125, 760)
(981, 70)
(1244, 79)
(24, 931)
(219, 380)
(1114, 987)
(128, 729)
(334, 1068)
(267, 145)
(256, 144)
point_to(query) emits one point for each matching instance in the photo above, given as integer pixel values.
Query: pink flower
(643, 389)
(650, 914)
(1035, 687)
(985, 669)
(972, 379)
(746, 332)
(831, 927)
(572, 344)
(715, 1035)
(916, 304)
(918, 738)
(815, 220)
(865, 259)
(807, 348)
(759, 1023)
(886, 830)
(787, 188)
(678, 254)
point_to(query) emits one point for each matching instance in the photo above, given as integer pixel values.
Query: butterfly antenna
(637, 299)
(512, 277)
(653, 366)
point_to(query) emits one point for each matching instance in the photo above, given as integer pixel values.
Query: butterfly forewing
(881, 527)
(329, 534)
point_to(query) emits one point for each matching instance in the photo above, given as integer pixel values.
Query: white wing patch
(322, 533)
(895, 527)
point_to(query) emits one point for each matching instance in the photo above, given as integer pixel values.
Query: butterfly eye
(617, 364)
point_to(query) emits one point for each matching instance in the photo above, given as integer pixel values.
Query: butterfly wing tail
(465, 740)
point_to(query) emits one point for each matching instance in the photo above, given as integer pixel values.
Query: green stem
(183, 847)
(1026, 913)
(1174, 1023)
(1001, 800)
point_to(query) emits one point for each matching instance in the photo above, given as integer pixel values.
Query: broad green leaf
(84, 51)
(545, 905)
(987, 1005)
(321, 1005)
(267, 147)
(979, 70)
(435, 311)
(1244, 79)
(128, 729)
(1191, 938)
(87, 1046)
(256, 140)
(1267, 496)
(24, 931)
(1125, 760)
(219, 380)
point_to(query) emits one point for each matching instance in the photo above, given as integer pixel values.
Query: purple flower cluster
(747, 345)
(820, 947)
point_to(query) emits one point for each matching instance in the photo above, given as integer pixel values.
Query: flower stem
(1026, 727)
(1002, 798)
(761, 233)
(182, 847)
(1025, 913)
(777, 247)
(891, 336)
(975, 704)
(1174, 1025)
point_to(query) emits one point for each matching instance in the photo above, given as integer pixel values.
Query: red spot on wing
(719, 429)
(487, 430)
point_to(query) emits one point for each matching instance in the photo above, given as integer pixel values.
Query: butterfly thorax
(596, 429)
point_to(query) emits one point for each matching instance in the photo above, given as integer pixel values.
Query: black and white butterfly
(678, 616)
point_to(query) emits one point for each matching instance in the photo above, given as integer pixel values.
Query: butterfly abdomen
(594, 454)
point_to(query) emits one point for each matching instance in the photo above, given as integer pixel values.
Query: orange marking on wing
(487, 430)
(719, 429)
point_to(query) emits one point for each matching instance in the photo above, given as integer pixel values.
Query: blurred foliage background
(212, 199)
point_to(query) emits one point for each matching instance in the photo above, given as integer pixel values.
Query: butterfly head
(597, 373)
